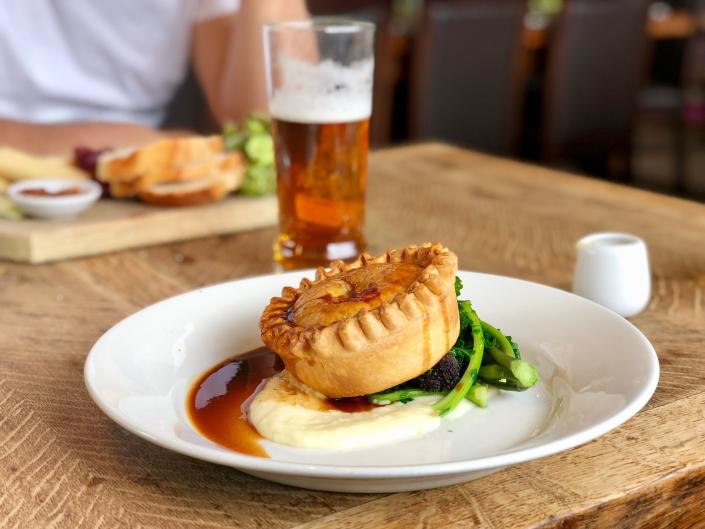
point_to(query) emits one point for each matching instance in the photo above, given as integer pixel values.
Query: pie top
(344, 295)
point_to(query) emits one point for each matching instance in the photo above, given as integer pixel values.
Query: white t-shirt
(96, 60)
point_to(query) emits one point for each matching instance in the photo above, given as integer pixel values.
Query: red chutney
(216, 402)
(41, 192)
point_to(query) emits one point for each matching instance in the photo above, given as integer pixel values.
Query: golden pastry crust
(369, 325)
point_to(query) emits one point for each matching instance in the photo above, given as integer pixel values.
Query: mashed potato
(287, 412)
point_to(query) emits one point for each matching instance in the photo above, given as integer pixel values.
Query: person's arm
(61, 139)
(228, 56)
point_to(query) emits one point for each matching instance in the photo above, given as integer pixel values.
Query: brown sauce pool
(216, 402)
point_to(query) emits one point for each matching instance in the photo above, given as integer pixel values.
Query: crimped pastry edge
(423, 297)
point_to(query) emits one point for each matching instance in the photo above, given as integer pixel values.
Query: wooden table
(64, 464)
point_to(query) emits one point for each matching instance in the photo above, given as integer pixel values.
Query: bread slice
(124, 189)
(223, 162)
(219, 163)
(127, 165)
(193, 192)
(194, 170)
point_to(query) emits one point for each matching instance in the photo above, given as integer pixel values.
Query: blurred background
(610, 88)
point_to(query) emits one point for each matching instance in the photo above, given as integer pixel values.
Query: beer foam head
(326, 92)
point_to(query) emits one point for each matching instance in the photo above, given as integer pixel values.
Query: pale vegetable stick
(18, 165)
(8, 209)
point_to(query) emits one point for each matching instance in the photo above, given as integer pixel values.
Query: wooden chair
(464, 80)
(673, 63)
(378, 12)
(595, 67)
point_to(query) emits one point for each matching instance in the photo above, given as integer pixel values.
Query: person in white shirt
(102, 72)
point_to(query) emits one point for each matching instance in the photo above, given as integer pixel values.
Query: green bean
(502, 341)
(506, 385)
(458, 393)
(478, 395)
(400, 395)
(494, 372)
(522, 371)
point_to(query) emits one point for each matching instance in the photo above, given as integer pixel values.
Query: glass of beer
(319, 78)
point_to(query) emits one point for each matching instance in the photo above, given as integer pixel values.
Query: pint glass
(319, 77)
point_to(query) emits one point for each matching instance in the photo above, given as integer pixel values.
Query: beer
(319, 80)
(321, 180)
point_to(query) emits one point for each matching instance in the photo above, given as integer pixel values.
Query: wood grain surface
(112, 225)
(64, 464)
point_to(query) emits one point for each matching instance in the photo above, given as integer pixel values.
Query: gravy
(217, 402)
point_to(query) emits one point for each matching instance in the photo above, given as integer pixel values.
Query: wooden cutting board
(113, 225)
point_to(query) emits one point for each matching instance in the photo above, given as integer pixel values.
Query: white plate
(597, 371)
